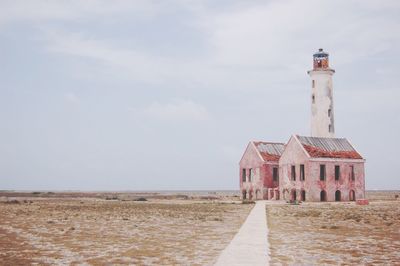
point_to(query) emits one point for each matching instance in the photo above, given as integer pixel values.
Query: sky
(166, 95)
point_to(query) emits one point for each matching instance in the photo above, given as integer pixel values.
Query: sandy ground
(336, 233)
(95, 231)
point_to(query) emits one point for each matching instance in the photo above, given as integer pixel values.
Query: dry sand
(171, 229)
(336, 233)
(95, 231)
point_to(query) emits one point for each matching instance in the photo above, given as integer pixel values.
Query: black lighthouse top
(321, 60)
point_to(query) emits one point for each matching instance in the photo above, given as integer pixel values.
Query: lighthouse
(322, 115)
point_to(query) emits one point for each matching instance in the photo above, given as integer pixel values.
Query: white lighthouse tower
(322, 118)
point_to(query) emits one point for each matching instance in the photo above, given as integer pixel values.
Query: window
(352, 175)
(313, 83)
(330, 128)
(303, 195)
(329, 112)
(293, 172)
(313, 98)
(338, 196)
(322, 172)
(337, 172)
(323, 195)
(352, 195)
(250, 174)
(275, 175)
(302, 176)
(243, 175)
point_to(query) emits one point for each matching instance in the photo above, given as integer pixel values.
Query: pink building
(259, 170)
(316, 168)
(321, 169)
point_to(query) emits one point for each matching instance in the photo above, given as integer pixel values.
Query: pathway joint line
(250, 245)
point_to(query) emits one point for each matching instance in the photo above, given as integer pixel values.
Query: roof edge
(296, 137)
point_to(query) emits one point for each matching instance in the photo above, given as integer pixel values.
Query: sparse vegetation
(335, 233)
(107, 232)
(140, 199)
(248, 202)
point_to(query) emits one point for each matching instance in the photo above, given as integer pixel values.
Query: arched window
(294, 194)
(323, 195)
(244, 194)
(352, 195)
(337, 195)
(303, 195)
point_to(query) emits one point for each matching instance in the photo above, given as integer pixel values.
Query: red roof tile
(270, 151)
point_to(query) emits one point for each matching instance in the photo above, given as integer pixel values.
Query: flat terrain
(336, 233)
(76, 230)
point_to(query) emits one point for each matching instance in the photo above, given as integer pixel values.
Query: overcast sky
(155, 95)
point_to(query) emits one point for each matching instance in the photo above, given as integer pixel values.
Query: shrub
(140, 199)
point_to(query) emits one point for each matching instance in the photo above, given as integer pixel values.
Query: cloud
(72, 98)
(72, 10)
(132, 64)
(246, 46)
(177, 110)
(283, 33)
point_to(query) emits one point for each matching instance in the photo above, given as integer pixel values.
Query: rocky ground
(96, 231)
(336, 233)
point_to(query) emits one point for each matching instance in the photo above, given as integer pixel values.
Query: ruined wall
(293, 155)
(345, 183)
(268, 175)
(251, 160)
(312, 185)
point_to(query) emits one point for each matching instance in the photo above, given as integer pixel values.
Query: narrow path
(250, 245)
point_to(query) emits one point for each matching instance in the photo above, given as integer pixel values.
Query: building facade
(316, 168)
(321, 169)
(259, 170)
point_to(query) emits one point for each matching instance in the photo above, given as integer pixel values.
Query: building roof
(269, 151)
(329, 148)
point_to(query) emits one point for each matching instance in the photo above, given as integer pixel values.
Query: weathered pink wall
(251, 159)
(262, 174)
(294, 154)
(330, 185)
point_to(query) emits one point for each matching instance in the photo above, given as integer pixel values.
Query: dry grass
(335, 233)
(75, 231)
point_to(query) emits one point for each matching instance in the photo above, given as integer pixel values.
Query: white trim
(319, 159)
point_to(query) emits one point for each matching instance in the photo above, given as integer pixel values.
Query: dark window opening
(313, 98)
(330, 128)
(323, 195)
(352, 175)
(337, 195)
(243, 175)
(250, 174)
(293, 172)
(322, 172)
(337, 172)
(303, 195)
(302, 176)
(352, 195)
(294, 194)
(313, 83)
(329, 112)
(275, 174)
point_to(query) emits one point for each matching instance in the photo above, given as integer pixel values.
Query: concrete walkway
(250, 245)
